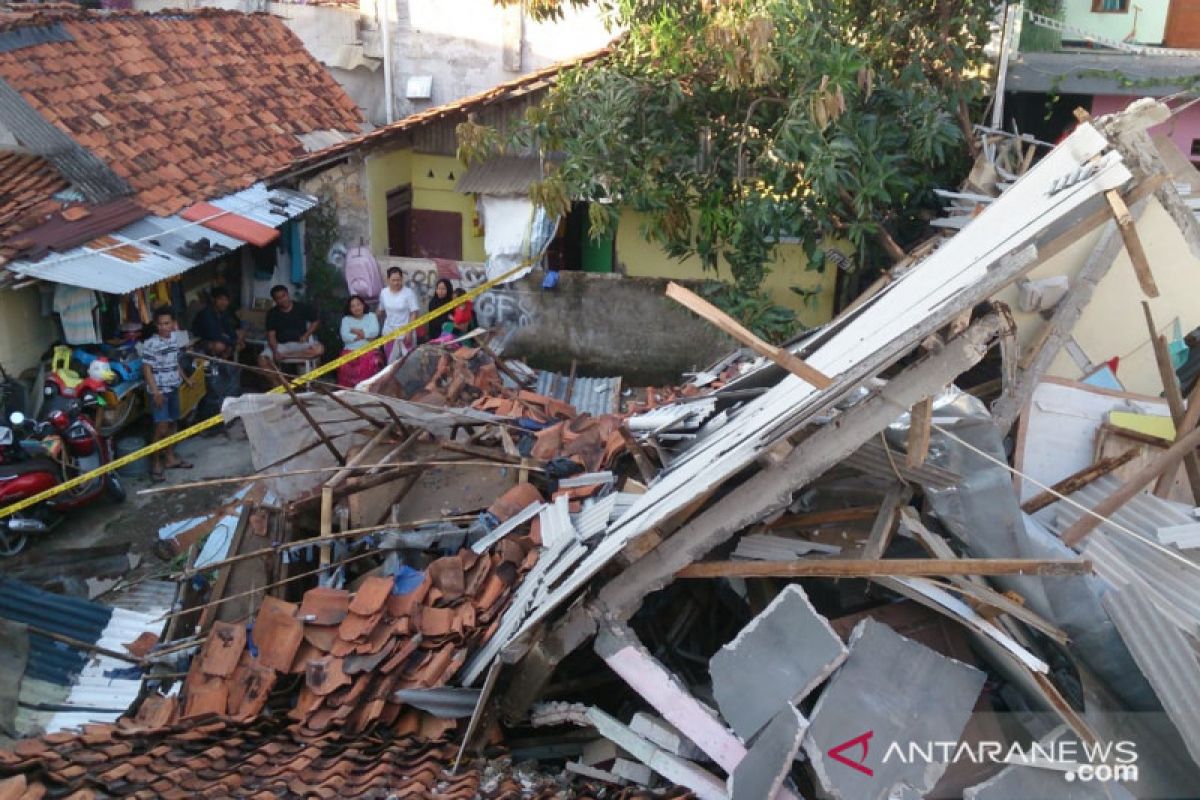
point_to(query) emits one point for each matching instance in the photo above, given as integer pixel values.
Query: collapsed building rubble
(798, 571)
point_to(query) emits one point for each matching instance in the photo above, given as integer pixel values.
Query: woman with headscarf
(443, 293)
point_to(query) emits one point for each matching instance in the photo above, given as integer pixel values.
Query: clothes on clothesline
(75, 307)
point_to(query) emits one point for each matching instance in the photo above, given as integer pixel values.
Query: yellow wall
(387, 171)
(646, 259)
(24, 332)
(1113, 323)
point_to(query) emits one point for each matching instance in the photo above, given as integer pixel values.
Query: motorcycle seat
(37, 464)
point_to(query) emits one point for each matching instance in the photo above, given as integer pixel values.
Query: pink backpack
(362, 274)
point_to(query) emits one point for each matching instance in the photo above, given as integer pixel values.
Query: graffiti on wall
(505, 308)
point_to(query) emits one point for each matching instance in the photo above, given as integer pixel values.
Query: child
(464, 315)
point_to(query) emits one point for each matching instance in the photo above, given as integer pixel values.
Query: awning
(503, 175)
(155, 248)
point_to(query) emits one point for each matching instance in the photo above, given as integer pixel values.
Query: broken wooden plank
(1190, 419)
(640, 458)
(832, 516)
(1077, 480)
(919, 429)
(1133, 243)
(869, 568)
(885, 521)
(1171, 391)
(727, 324)
(1165, 461)
(769, 491)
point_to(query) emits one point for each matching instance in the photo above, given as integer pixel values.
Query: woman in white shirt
(359, 329)
(397, 307)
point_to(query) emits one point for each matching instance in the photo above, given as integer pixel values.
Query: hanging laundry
(74, 306)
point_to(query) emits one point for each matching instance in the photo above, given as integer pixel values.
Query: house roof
(1079, 72)
(460, 108)
(181, 107)
(28, 184)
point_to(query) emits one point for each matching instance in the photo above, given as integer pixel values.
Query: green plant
(754, 309)
(731, 124)
(324, 286)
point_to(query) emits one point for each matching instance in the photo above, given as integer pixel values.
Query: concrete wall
(346, 187)
(638, 257)
(1183, 128)
(467, 46)
(1118, 297)
(612, 325)
(1151, 20)
(24, 332)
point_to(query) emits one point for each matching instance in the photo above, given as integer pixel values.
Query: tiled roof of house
(460, 108)
(27, 187)
(183, 106)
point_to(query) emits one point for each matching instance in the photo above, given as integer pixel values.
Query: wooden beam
(640, 458)
(1077, 480)
(1191, 417)
(79, 644)
(885, 521)
(727, 324)
(767, 492)
(833, 516)
(876, 567)
(1165, 461)
(919, 429)
(325, 440)
(1166, 375)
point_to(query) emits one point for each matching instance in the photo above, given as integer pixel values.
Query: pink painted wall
(1183, 128)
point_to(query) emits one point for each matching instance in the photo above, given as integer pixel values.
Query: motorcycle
(36, 456)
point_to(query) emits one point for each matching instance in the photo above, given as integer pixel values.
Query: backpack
(363, 277)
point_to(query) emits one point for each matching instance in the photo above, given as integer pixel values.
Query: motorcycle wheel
(11, 543)
(114, 487)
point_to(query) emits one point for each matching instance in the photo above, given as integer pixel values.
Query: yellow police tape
(214, 421)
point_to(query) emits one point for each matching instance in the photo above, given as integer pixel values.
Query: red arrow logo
(862, 739)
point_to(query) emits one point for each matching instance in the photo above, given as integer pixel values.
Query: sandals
(181, 464)
(157, 477)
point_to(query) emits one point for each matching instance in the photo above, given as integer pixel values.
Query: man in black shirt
(290, 328)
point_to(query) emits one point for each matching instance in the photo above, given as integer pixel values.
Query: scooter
(36, 456)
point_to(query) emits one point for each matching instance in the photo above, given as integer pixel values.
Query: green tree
(731, 123)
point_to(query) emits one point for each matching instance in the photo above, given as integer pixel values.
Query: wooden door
(436, 234)
(1183, 25)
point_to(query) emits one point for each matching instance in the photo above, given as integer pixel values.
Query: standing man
(290, 329)
(163, 376)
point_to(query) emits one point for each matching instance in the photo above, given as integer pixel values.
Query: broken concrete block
(769, 760)
(593, 773)
(632, 771)
(665, 735)
(600, 751)
(676, 770)
(622, 651)
(892, 696)
(781, 656)
(1024, 781)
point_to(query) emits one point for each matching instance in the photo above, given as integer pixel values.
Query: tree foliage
(731, 123)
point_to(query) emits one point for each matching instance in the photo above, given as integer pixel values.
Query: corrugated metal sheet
(503, 175)
(955, 276)
(86, 172)
(157, 242)
(593, 396)
(769, 547)
(68, 616)
(872, 459)
(1165, 656)
(28, 37)
(593, 519)
(688, 415)
(447, 702)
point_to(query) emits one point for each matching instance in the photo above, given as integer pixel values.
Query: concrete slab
(665, 735)
(769, 760)
(633, 772)
(776, 660)
(891, 697)
(1021, 781)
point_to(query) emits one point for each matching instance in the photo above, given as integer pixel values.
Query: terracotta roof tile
(371, 596)
(140, 86)
(277, 633)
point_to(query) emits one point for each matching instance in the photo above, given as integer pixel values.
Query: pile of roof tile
(216, 758)
(353, 651)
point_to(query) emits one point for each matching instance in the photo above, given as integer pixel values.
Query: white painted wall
(467, 46)
(1147, 26)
